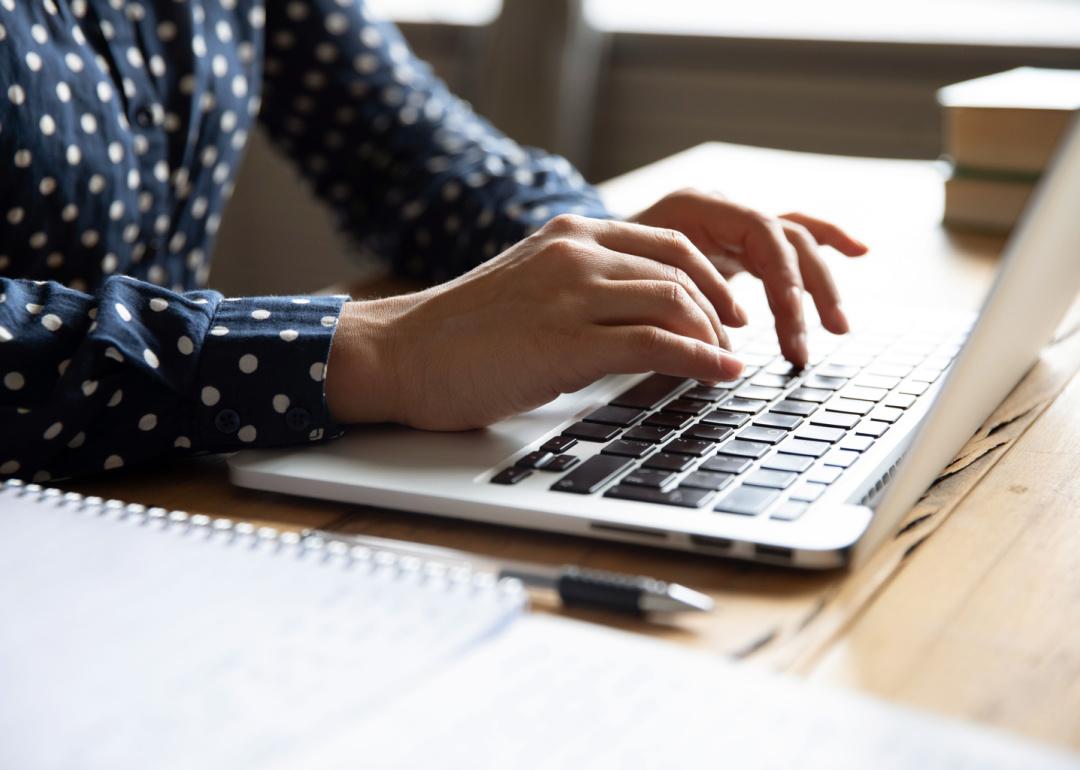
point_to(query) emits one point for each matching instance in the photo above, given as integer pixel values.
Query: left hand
(781, 251)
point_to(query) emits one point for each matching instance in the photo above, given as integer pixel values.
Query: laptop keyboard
(769, 443)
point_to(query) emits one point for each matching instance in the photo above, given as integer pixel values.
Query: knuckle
(676, 241)
(648, 340)
(564, 248)
(565, 223)
(799, 232)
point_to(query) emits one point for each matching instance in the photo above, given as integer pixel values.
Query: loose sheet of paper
(550, 693)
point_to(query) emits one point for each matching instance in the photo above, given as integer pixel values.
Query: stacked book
(1000, 135)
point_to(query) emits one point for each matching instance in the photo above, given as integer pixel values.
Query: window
(1050, 23)
(463, 12)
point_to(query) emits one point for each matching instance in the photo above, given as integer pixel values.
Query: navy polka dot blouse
(122, 126)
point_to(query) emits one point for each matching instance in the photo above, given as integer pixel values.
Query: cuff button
(227, 421)
(298, 419)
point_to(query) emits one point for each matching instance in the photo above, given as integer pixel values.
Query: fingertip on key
(730, 367)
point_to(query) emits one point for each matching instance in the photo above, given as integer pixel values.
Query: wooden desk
(982, 620)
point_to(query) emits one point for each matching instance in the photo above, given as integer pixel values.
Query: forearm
(135, 372)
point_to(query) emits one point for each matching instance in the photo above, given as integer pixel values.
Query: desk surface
(979, 621)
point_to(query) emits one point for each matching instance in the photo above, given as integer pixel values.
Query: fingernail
(730, 367)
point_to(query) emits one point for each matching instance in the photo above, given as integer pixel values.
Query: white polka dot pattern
(116, 190)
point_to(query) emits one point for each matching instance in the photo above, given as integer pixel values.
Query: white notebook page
(123, 647)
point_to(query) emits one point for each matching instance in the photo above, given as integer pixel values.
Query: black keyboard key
(560, 463)
(859, 393)
(736, 404)
(849, 406)
(900, 401)
(683, 497)
(689, 446)
(782, 462)
(886, 414)
(533, 460)
(707, 480)
(650, 392)
(824, 382)
(889, 370)
(777, 420)
(877, 381)
(797, 446)
(725, 418)
(686, 406)
(760, 433)
(748, 501)
(771, 479)
(702, 393)
(707, 432)
(652, 434)
(769, 380)
(758, 392)
(824, 474)
(510, 475)
(820, 433)
(856, 443)
(558, 444)
(647, 477)
(722, 464)
(912, 388)
(627, 448)
(592, 474)
(668, 420)
(812, 395)
(808, 492)
(622, 416)
(789, 510)
(740, 448)
(841, 458)
(798, 408)
(664, 461)
(925, 374)
(871, 428)
(591, 431)
(834, 419)
(836, 370)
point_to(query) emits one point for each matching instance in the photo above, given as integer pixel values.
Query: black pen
(575, 586)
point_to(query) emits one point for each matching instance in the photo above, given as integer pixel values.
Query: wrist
(361, 377)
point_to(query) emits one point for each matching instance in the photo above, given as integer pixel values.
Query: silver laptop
(807, 468)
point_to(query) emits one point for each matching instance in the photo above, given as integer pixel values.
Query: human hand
(781, 251)
(577, 300)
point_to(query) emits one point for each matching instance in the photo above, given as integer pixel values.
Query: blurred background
(614, 84)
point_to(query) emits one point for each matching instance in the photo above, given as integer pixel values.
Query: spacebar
(650, 392)
(592, 474)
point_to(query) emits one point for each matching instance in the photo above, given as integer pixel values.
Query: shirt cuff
(261, 377)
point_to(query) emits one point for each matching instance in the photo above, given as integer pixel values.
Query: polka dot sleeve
(414, 174)
(135, 373)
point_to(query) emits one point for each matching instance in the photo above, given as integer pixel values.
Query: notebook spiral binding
(318, 549)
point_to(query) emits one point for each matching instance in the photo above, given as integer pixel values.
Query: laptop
(810, 468)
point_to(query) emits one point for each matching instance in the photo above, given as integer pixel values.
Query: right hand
(577, 300)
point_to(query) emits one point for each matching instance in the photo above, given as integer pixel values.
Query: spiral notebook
(135, 638)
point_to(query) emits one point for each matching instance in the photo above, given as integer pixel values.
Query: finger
(627, 267)
(817, 279)
(632, 349)
(662, 304)
(828, 234)
(673, 248)
(776, 263)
